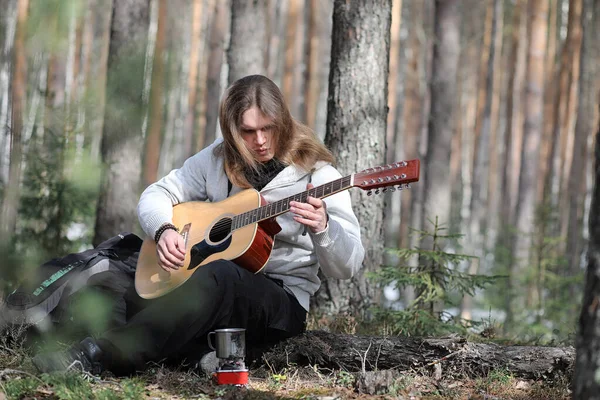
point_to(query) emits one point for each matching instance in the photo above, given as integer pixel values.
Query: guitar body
(249, 246)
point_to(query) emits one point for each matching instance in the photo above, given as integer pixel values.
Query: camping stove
(230, 349)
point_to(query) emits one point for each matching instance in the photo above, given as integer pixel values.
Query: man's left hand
(313, 213)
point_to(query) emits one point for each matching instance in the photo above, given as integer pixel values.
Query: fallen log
(456, 356)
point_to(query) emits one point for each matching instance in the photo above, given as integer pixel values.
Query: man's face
(257, 131)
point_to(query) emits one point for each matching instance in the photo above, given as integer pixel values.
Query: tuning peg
(400, 187)
(393, 189)
(377, 191)
(385, 190)
(369, 193)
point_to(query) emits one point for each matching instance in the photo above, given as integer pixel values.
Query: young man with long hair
(263, 148)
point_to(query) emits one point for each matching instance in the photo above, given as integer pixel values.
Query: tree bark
(457, 357)
(196, 75)
(95, 114)
(10, 201)
(532, 134)
(246, 53)
(122, 142)
(587, 365)
(513, 96)
(485, 148)
(201, 100)
(294, 44)
(153, 138)
(356, 125)
(413, 110)
(446, 51)
(9, 21)
(436, 174)
(583, 129)
(218, 34)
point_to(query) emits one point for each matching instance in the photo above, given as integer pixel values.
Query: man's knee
(219, 273)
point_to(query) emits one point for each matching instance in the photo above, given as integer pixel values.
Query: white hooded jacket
(295, 258)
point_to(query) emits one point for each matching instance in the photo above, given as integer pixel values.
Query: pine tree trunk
(278, 22)
(412, 114)
(246, 53)
(484, 150)
(10, 201)
(393, 95)
(513, 96)
(325, 12)
(311, 76)
(436, 174)
(157, 93)
(294, 33)
(196, 74)
(356, 125)
(122, 142)
(446, 51)
(569, 123)
(102, 12)
(560, 135)
(216, 58)
(532, 134)
(587, 363)
(583, 129)
(7, 29)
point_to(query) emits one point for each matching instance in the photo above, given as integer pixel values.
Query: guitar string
(224, 226)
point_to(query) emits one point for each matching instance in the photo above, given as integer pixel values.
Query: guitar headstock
(400, 173)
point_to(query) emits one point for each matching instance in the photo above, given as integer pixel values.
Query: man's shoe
(84, 356)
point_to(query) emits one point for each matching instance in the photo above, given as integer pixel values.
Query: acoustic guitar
(242, 227)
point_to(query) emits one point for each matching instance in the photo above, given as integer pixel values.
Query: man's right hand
(170, 250)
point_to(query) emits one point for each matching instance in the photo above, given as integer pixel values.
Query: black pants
(217, 295)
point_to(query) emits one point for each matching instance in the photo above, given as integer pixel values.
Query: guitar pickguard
(202, 250)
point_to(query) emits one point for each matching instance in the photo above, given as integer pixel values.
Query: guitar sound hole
(220, 230)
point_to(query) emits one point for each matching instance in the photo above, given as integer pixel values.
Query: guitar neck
(282, 206)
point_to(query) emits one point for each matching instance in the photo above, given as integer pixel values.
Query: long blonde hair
(295, 143)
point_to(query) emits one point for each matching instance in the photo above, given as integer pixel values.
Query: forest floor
(20, 381)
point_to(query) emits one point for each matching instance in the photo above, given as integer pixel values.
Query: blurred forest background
(497, 98)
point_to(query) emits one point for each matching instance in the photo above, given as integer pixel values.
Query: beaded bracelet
(162, 230)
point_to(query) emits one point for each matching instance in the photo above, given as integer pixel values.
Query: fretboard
(281, 206)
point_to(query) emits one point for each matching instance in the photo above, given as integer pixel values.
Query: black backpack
(46, 302)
